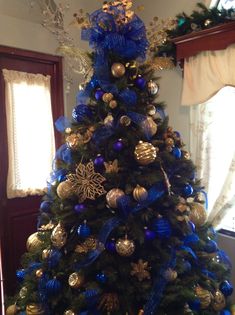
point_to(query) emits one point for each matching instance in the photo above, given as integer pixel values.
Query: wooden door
(18, 216)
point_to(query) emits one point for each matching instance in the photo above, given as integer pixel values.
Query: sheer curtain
(30, 132)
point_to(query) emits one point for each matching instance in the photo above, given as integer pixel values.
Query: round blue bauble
(62, 177)
(99, 161)
(226, 288)
(188, 190)
(20, 274)
(45, 206)
(162, 228)
(192, 226)
(53, 287)
(140, 83)
(101, 277)
(118, 145)
(94, 83)
(81, 112)
(149, 235)
(111, 246)
(79, 208)
(211, 246)
(54, 258)
(195, 305)
(99, 94)
(225, 312)
(84, 230)
(176, 152)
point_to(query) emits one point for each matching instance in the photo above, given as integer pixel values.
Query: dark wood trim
(214, 38)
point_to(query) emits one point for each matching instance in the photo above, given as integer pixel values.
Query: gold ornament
(59, 236)
(76, 280)
(113, 195)
(109, 302)
(182, 207)
(169, 142)
(111, 166)
(204, 296)
(47, 227)
(68, 130)
(118, 70)
(64, 190)
(233, 310)
(218, 302)
(108, 121)
(125, 247)
(86, 183)
(69, 312)
(151, 110)
(207, 22)
(162, 63)
(141, 312)
(39, 273)
(186, 155)
(113, 104)
(23, 292)
(150, 126)
(34, 309)
(33, 243)
(89, 244)
(153, 88)
(12, 310)
(74, 141)
(140, 270)
(125, 121)
(198, 214)
(46, 253)
(170, 275)
(140, 193)
(145, 153)
(107, 97)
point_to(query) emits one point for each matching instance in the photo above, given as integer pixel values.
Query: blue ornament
(118, 145)
(45, 206)
(176, 152)
(162, 228)
(101, 277)
(128, 97)
(62, 177)
(226, 288)
(191, 239)
(20, 274)
(181, 21)
(111, 246)
(187, 266)
(149, 235)
(195, 305)
(188, 190)
(225, 312)
(99, 161)
(54, 258)
(192, 226)
(53, 287)
(79, 208)
(94, 83)
(81, 112)
(99, 94)
(211, 246)
(84, 230)
(34, 265)
(140, 83)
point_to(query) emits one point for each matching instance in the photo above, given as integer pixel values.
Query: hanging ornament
(39, 273)
(81, 113)
(207, 22)
(23, 292)
(113, 104)
(46, 253)
(125, 121)
(33, 243)
(86, 183)
(111, 246)
(218, 301)
(149, 235)
(109, 302)
(153, 88)
(111, 166)
(64, 190)
(76, 280)
(151, 110)
(132, 69)
(108, 121)
(140, 82)
(99, 161)
(145, 153)
(89, 244)
(79, 208)
(113, 195)
(107, 97)
(59, 236)
(12, 310)
(118, 70)
(53, 287)
(99, 94)
(47, 227)
(69, 312)
(186, 155)
(20, 274)
(170, 275)
(74, 141)
(187, 190)
(140, 193)
(141, 312)
(226, 288)
(169, 142)
(34, 309)
(140, 270)
(176, 152)
(204, 297)
(211, 247)
(118, 145)
(45, 206)
(125, 247)
(101, 277)
(149, 127)
(198, 214)
(162, 228)
(84, 230)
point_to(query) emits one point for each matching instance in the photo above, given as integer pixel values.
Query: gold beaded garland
(107, 97)
(64, 190)
(218, 302)
(118, 70)
(145, 153)
(33, 242)
(39, 273)
(140, 193)
(34, 309)
(76, 280)
(125, 247)
(113, 104)
(113, 195)
(169, 142)
(198, 214)
(59, 236)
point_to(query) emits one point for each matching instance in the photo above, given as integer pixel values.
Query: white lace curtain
(30, 132)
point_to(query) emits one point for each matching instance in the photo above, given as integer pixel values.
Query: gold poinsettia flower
(140, 270)
(86, 183)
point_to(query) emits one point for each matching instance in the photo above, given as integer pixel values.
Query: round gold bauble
(198, 214)
(23, 292)
(46, 253)
(153, 88)
(118, 70)
(113, 104)
(12, 310)
(207, 22)
(169, 142)
(125, 247)
(149, 126)
(218, 302)
(76, 280)
(145, 153)
(33, 243)
(151, 110)
(59, 236)
(186, 155)
(140, 193)
(69, 312)
(125, 121)
(113, 195)
(108, 121)
(34, 309)
(39, 273)
(74, 141)
(204, 296)
(170, 275)
(64, 190)
(107, 97)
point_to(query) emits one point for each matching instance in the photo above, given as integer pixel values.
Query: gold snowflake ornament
(140, 270)
(86, 183)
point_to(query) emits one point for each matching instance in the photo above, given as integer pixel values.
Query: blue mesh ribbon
(189, 251)
(141, 120)
(64, 154)
(102, 134)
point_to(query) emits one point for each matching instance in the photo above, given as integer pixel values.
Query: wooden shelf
(214, 38)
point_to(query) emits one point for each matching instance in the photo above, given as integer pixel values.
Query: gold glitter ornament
(111, 166)
(198, 214)
(39, 273)
(162, 63)
(145, 153)
(140, 193)
(34, 309)
(109, 302)
(76, 280)
(118, 70)
(74, 141)
(46, 253)
(107, 97)
(23, 292)
(125, 121)
(113, 104)
(170, 275)
(64, 190)
(125, 247)
(204, 296)
(149, 126)
(89, 244)
(153, 88)
(140, 270)
(12, 310)
(59, 236)
(108, 121)
(86, 183)
(33, 243)
(113, 195)
(69, 312)
(218, 301)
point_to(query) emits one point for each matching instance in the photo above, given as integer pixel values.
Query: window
(223, 4)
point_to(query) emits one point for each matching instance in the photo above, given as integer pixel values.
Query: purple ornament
(188, 190)
(118, 145)
(111, 246)
(176, 152)
(79, 208)
(99, 94)
(99, 161)
(140, 83)
(149, 235)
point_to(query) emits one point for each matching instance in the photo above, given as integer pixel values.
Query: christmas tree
(123, 227)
